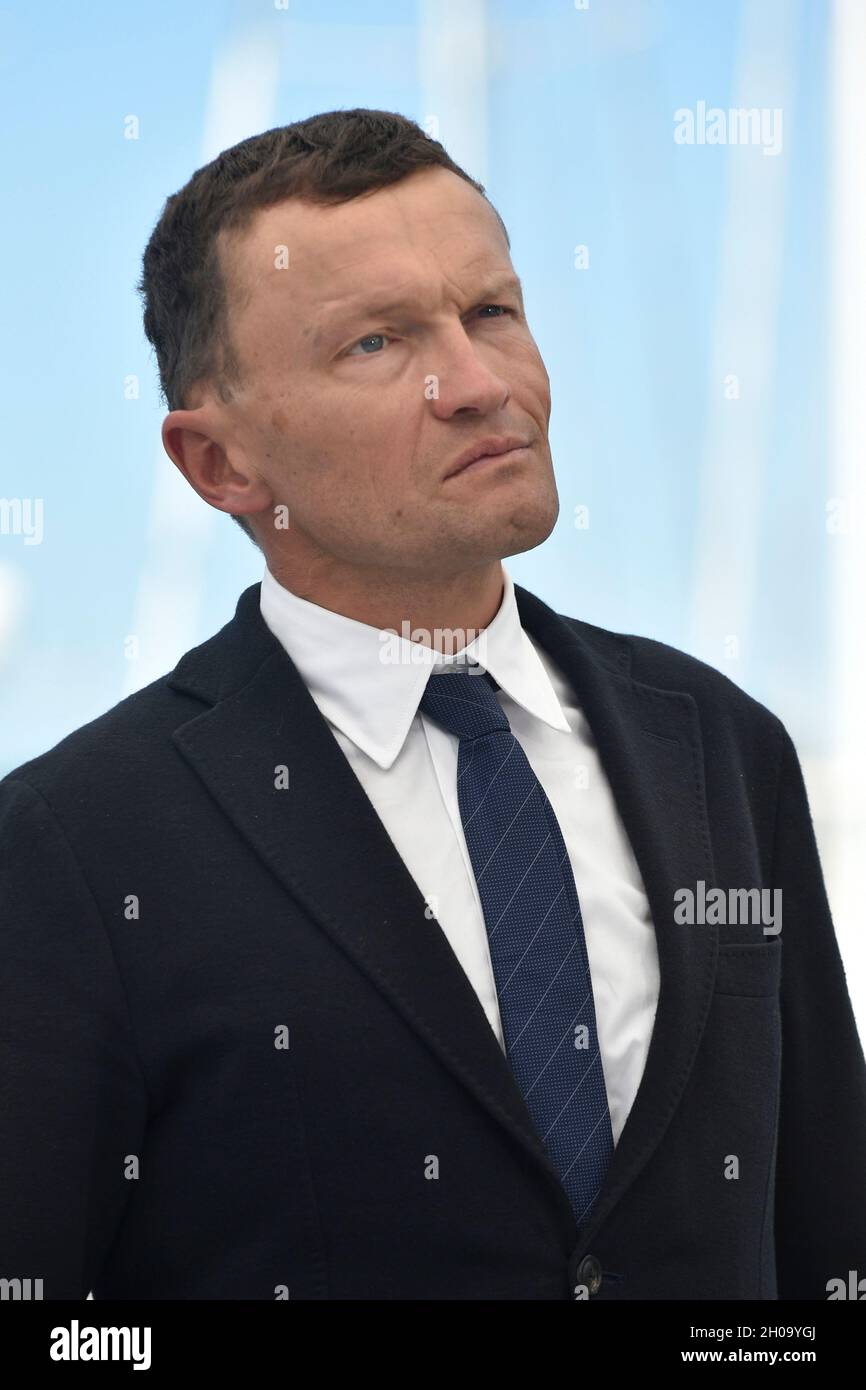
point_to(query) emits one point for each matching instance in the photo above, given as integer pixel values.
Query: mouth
(485, 453)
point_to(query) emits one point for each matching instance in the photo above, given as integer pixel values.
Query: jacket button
(589, 1273)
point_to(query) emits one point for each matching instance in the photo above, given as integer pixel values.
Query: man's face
(394, 340)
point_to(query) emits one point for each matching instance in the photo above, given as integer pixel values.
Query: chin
(531, 520)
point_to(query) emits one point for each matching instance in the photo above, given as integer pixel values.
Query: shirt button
(589, 1273)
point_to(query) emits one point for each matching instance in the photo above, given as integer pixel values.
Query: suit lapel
(650, 745)
(323, 840)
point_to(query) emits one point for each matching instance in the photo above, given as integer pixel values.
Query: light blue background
(703, 261)
(579, 150)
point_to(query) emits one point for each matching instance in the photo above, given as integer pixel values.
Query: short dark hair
(328, 158)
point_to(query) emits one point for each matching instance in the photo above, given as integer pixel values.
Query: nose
(462, 380)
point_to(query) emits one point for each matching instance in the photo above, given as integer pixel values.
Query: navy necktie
(535, 930)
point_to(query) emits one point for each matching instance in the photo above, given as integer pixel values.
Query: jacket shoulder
(662, 666)
(138, 728)
(131, 731)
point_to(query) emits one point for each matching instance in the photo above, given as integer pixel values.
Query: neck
(442, 613)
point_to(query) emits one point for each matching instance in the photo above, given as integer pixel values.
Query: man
(348, 960)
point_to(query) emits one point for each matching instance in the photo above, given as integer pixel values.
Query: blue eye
(382, 338)
(370, 338)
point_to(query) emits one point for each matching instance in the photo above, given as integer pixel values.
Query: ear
(192, 440)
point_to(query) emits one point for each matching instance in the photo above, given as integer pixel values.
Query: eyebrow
(377, 308)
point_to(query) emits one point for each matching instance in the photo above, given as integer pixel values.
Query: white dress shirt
(368, 685)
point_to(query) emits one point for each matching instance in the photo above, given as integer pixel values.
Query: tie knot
(464, 702)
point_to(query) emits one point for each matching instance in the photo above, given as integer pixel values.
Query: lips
(492, 445)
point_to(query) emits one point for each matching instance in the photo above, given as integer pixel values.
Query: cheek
(376, 441)
(305, 446)
(530, 380)
(359, 448)
(537, 365)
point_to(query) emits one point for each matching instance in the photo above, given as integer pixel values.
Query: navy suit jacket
(241, 1060)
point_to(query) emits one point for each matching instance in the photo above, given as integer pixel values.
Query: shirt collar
(369, 682)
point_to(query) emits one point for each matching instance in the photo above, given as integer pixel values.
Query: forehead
(429, 230)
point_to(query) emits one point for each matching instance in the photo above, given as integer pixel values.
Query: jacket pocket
(752, 969)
